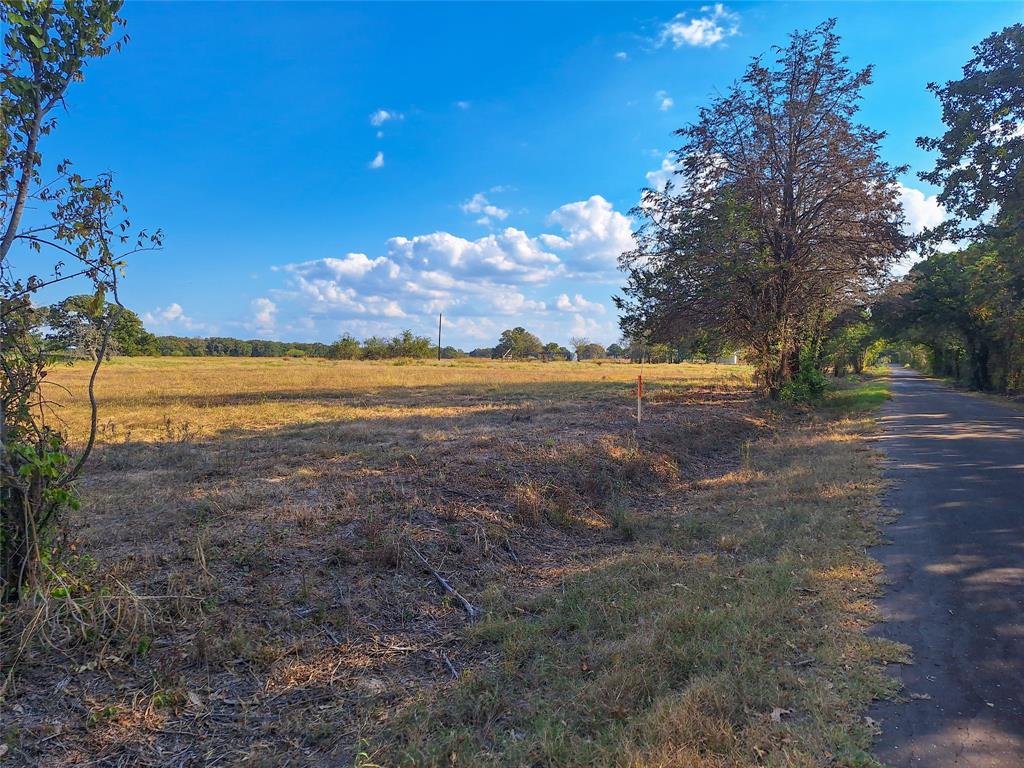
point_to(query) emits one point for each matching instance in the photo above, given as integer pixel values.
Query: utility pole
(439, 315)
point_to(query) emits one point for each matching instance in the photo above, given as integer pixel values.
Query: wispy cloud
(479, 204)
(579, 304)
(666, 102)
(382, 116)
(378, 161)
(264, 315)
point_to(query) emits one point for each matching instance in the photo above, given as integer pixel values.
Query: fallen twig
(448, 663)
(470, 609)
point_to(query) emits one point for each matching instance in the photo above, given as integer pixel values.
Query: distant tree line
(76, 330)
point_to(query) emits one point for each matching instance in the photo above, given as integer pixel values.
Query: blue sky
(322, 168)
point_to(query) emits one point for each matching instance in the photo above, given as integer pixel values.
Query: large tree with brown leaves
(783, 213)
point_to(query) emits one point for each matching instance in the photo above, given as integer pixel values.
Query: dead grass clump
(92, 628)
(535, 504)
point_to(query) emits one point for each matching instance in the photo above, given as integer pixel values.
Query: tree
(962, 308)
(853, 341)
(407, 344)
(555, 351)
(54, 230)
(614, 350)
(578, 344)
(518, 343)
(980, 167)
(591, 351)
(660, 353)
(346, 348)
(969, 306)
(375, 348)
(74, 327)
(783, 215)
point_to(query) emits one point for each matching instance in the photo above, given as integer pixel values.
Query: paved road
(956, 567)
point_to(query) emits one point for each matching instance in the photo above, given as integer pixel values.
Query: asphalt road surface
(955, 568)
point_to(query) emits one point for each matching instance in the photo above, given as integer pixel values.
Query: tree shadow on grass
(283, 573)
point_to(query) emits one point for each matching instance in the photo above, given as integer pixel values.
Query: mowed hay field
(260, 545)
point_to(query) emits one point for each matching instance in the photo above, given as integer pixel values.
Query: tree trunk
(980, 378)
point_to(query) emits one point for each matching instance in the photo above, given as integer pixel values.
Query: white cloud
(509, 254)
(579, 304)
(922, 211)
(596, 235)
(480, 204)
(475, 281)
(666, 101)
(378, 161)
(717, 23)
(659, 177)
(622, 56)
(382, 116)
(462, 104)
(585, 326)
(264, 315)
(171, 315)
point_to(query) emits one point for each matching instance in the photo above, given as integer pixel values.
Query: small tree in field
(784, 214)
(54, 229)
(578, 344)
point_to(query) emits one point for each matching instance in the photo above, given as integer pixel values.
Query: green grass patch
(857, 395)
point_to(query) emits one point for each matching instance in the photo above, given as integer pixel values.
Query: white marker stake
(639, 398)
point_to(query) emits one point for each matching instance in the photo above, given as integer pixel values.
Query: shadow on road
(955, 567)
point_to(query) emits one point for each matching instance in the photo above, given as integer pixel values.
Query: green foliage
(77, 230)
(980, 165)
(808, 384)
(518, 343)
(967, 307)
(407, 344)
(77, 327)
(375, 348)
(346, 348)
(661, 353)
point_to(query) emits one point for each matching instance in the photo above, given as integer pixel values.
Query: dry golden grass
(270, 515)
(216, 395)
